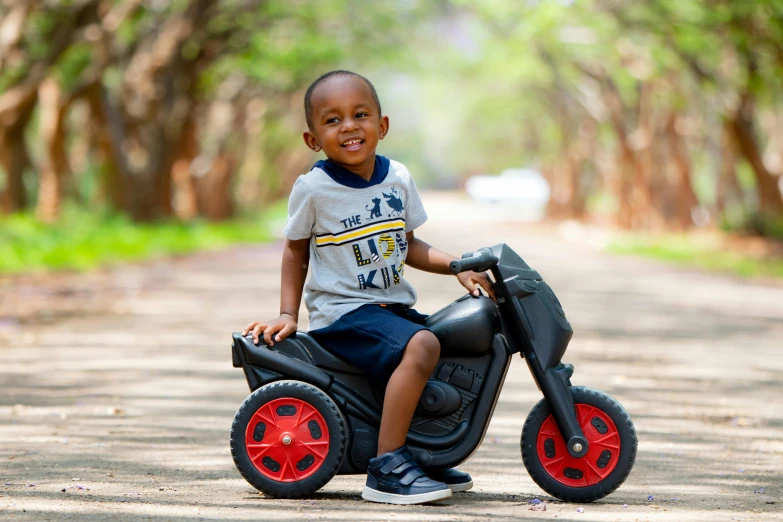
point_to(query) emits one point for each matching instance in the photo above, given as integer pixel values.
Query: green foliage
(754, 224)
(470, 87)
(83, 239)
(11, 75)
(282, 45)
(40, 25)
(72, 64)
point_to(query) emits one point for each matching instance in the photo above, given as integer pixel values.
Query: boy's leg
(402, 396)
(405, 387)
(394, 476)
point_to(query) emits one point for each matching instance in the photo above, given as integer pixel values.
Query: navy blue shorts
(372, 337)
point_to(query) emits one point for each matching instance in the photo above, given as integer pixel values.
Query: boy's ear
(384, 127)
(311, 141)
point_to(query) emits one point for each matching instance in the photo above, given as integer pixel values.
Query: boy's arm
(296, 257)
(429, 259)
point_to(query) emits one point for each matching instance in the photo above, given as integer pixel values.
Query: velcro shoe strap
(405, 466)
(396, 460)
(411, 476)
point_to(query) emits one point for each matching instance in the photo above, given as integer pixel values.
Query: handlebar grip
(463, 265)
(480, 261)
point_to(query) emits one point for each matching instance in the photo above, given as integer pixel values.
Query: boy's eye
(362, 115)
(332, 120)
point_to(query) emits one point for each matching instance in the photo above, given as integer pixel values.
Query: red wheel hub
(600, 459)
(287, 440)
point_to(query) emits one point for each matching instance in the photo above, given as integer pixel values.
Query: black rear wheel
(288, 439)
(612, 448)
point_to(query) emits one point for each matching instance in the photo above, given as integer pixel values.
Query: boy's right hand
(283, 326)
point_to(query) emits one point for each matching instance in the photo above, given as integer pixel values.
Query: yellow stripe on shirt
(371, 229)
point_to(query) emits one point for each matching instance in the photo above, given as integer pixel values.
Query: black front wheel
(612, 448)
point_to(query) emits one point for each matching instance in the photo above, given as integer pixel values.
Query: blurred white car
(524, 190)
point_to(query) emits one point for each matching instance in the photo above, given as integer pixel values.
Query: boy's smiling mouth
(353, 144)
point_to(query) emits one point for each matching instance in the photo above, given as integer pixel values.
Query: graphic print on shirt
(373, 252)
(375, 211)
(401, 242)
(387, 245)
(394, 201)
(378, 244)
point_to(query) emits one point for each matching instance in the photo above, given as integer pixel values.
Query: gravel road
(117, 391)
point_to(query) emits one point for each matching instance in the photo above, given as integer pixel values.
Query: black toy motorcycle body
(311, 415)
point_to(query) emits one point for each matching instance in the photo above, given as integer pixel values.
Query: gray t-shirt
(357, 240)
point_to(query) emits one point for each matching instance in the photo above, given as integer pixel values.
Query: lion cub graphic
(376, 210)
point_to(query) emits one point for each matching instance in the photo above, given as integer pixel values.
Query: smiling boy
(351, 219)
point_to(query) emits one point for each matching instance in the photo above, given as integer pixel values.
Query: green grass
(703, 251)
(82, 240)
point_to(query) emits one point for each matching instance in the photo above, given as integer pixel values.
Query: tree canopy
(651, 113)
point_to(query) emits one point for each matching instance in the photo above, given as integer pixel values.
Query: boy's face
(346, 122)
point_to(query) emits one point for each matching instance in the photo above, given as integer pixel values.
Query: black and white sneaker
(455, 479)
(396, 478)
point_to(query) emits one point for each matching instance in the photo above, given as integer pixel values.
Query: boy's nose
(349, 124)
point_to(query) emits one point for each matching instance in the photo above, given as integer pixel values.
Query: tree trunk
(12, 29)
(54, 167)
(635, 204)
(582, 180)
(769, 195)
(686, 197)
(100, 136)
(558, 174)
(567, 200)
(152, 181)
(252, 161)
(154, 109)
(185, 190)
(623, 187)
(728, 191)
(14, 157)
(18, 100)
(214, 191)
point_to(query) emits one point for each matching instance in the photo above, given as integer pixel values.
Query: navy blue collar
(347, 178)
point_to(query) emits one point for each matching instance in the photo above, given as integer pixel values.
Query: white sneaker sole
(373, 495)
(456, 488)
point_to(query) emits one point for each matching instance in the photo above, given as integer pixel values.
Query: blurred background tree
(649, 114)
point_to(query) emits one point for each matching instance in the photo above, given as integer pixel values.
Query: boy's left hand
(470, 279)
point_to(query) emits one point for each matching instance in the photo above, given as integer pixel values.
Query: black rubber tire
(628, 443)
(337, 438)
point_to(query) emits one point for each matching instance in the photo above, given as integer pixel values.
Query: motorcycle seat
(323, 358)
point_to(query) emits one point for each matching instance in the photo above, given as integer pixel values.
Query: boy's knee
(425, 348)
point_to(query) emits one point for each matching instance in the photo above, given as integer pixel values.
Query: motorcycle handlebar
(479, 261)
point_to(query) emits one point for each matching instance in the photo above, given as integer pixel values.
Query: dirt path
(118, 388)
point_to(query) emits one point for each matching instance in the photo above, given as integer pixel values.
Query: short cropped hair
(308, 107)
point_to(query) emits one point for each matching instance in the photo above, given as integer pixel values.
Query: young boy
(351, 218)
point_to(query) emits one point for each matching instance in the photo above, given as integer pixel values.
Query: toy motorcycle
(311, 415)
